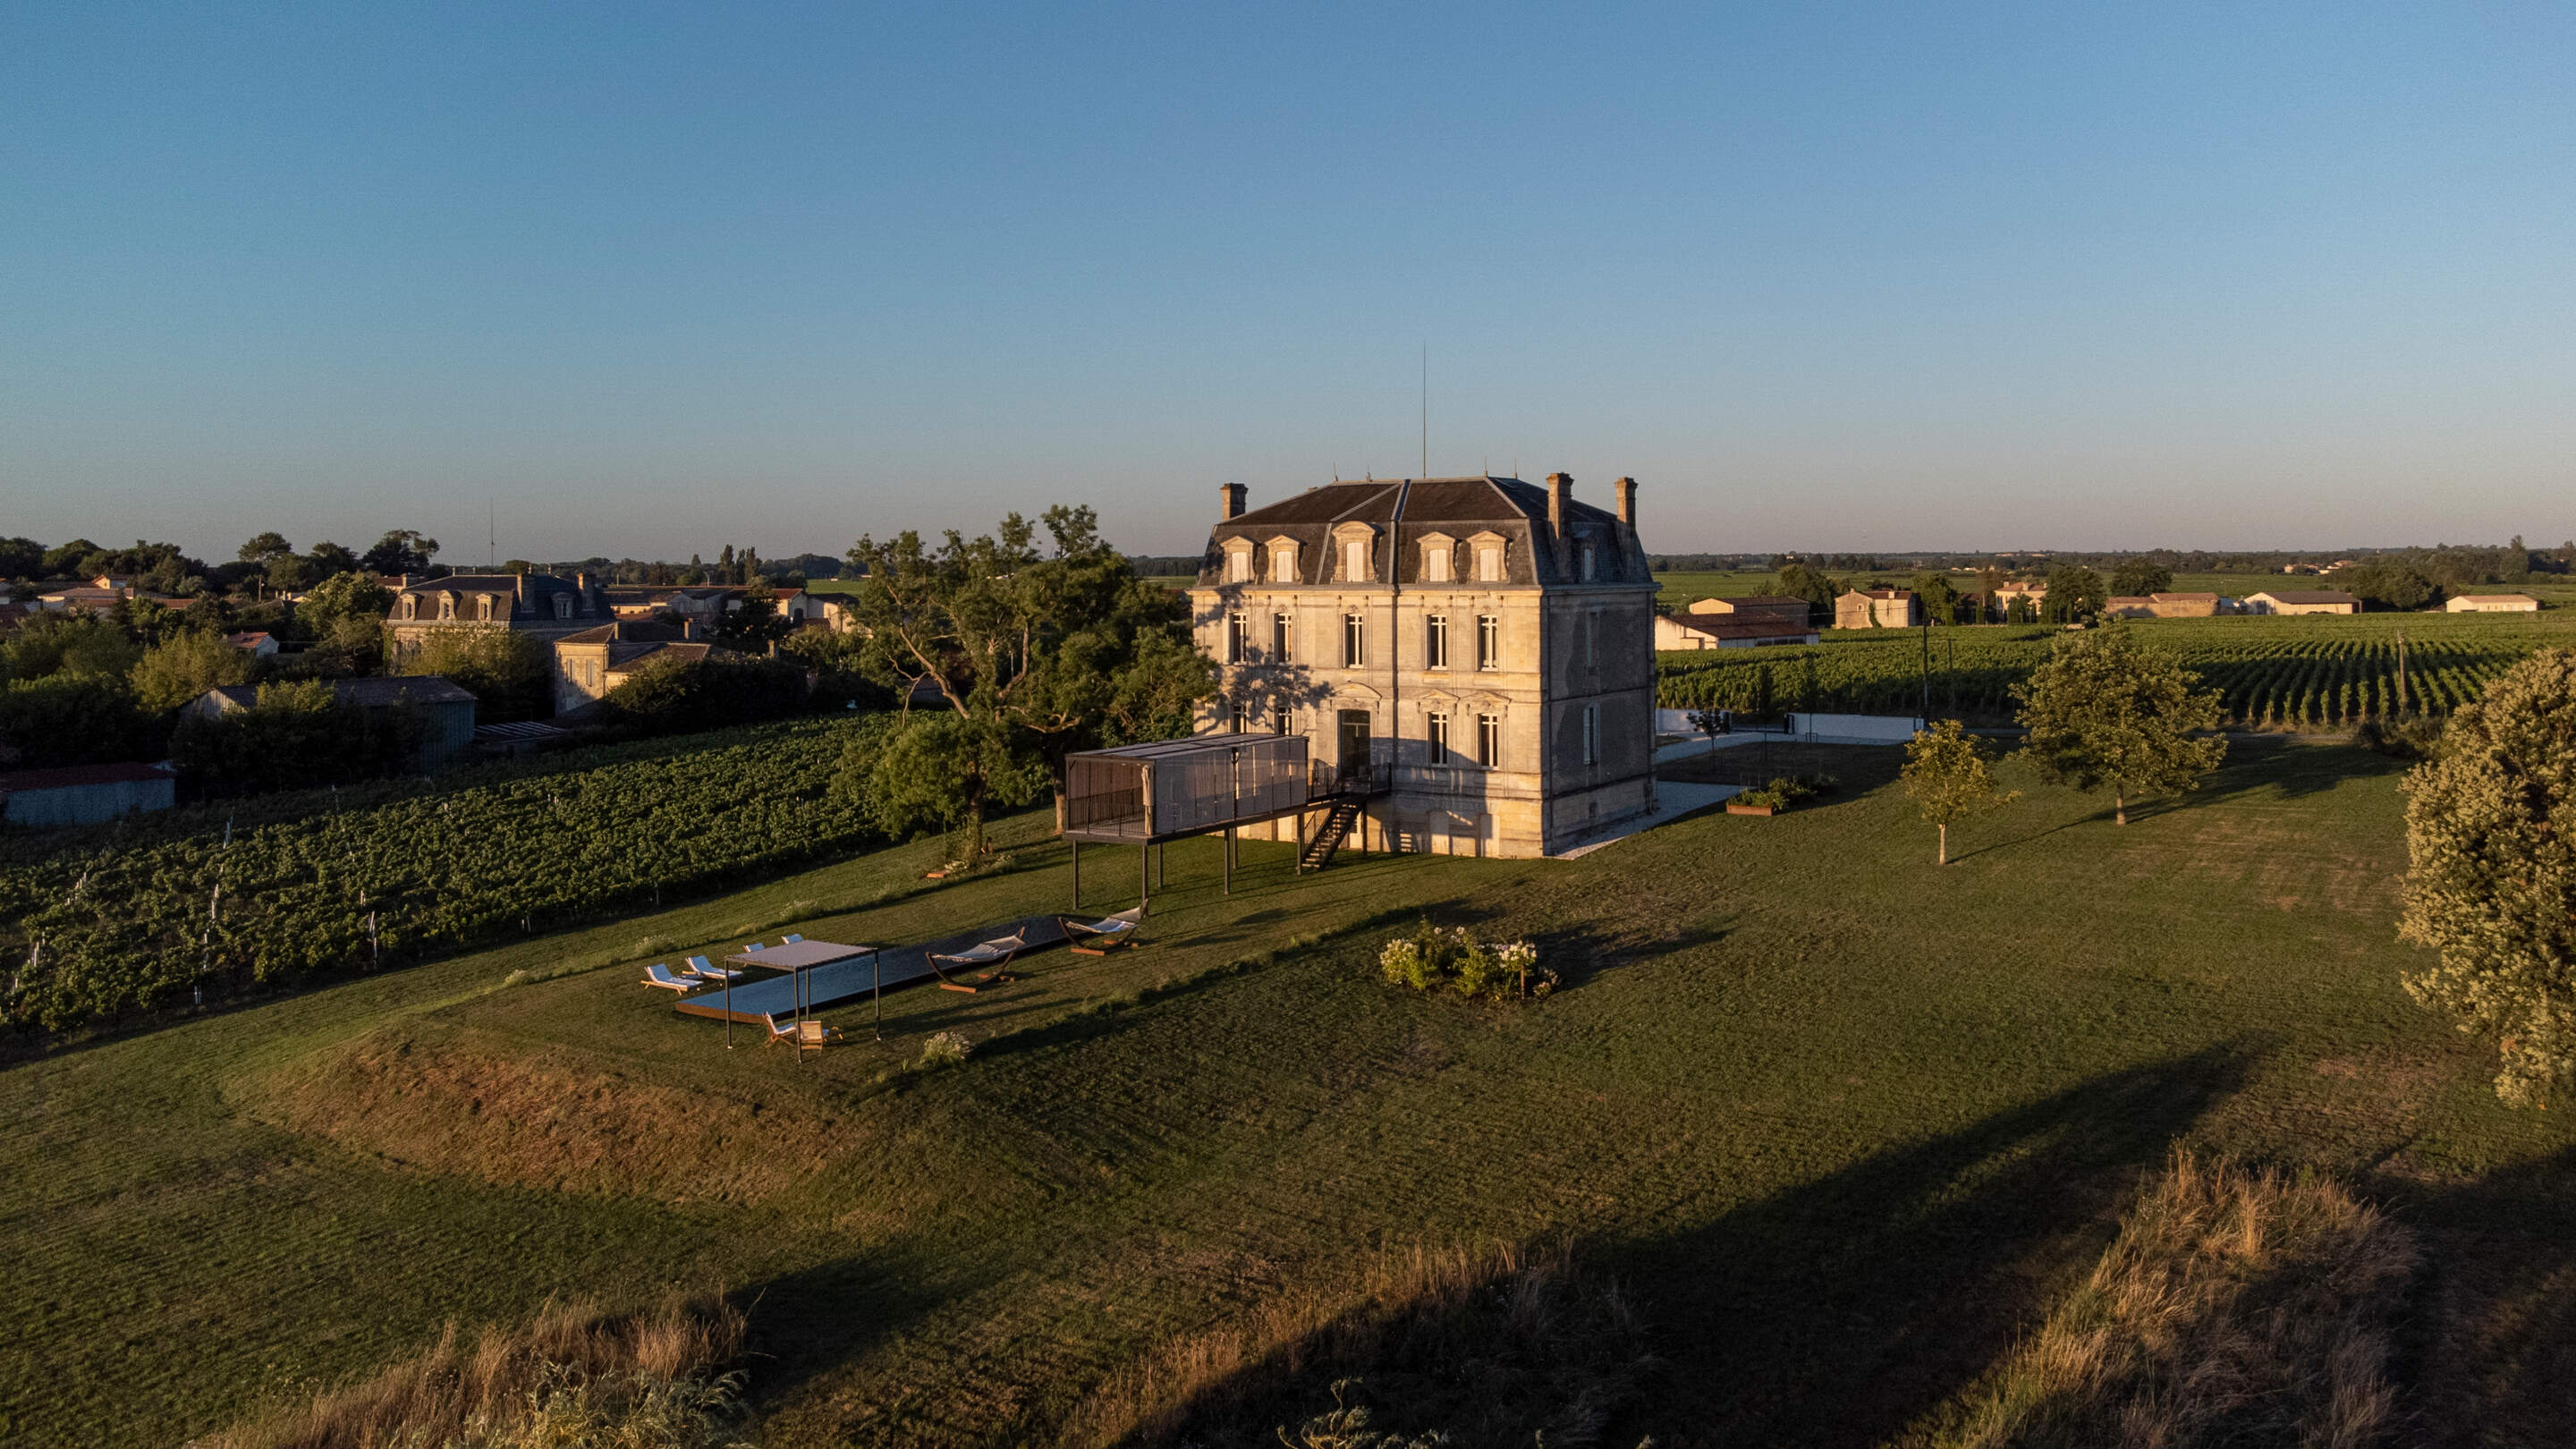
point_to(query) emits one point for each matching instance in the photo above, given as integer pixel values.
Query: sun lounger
(994, 954)
(779, 1030)
(702, 967)
(1100, 937)
(795, 940)
(660, 975)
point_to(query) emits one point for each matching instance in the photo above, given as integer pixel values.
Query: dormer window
(1283, 561)
(1355, 549)
(1488, 550)
(411, 606)
(484, 606)
(1439, 558)
(446, 606)
(563, 606)
(1591, 563)
(1238, 560)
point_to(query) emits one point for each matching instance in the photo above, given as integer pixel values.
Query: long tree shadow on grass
(2488, 1354)
(1837, 1312)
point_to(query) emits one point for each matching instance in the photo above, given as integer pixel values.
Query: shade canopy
(800, 955)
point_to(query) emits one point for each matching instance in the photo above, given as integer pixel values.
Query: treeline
(2451, 565)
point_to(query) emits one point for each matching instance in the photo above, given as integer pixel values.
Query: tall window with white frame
(1435, 566)
(1355, 560)
(1282, 637)
(1279, 719)
(1283, 564)
(1238, 566)
(1489, 641)
(1489, 564)
(1354, 641)
(1435, 642)
(1489, 741)
(1237, 646)
(1238, 718)
(1592, 734)
(1439, 738)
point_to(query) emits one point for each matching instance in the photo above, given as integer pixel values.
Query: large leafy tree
(511, 676)
(2106, 711)
(400, 551)
(1948, 774)
(1801, 581)
(1939, 595)
(2390, 584)
(2491, 837)
(1028, 654)
(2075, 594)
(2139, 576)
(184, 666)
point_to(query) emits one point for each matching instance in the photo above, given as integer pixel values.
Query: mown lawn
(1841, 1120)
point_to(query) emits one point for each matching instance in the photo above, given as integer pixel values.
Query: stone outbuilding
(2492, 604)
(2301, 601)
(1877, 609)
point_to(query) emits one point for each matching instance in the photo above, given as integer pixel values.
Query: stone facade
(1877, 609)
(1489, 641)
(2492, 604)
(2302, 601)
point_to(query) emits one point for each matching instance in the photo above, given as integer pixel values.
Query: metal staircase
(1339, 818)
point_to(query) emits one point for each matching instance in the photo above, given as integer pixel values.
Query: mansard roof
(1455, 507)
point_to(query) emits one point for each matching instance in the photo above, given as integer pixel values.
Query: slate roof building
(548, 606)
(1484, 642)
(594, 661)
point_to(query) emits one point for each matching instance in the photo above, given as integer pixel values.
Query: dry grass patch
(1486, 1346)
(2235, 1307)
(571, 1375)
(430, 1097)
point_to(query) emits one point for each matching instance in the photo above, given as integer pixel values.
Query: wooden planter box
(1734, 809)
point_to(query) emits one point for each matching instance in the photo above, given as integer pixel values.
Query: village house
(1877, 609)
(2301, 601)
(257, 643)
(2492, 604)
(594, 661)
(547, 606)
(1483, 645)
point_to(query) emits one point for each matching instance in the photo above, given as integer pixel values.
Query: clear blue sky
(661, 277)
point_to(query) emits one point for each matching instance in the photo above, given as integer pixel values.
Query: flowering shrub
(1432, 959)
(945, 1049)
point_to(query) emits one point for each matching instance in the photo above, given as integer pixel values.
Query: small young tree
(184, 666)
(1948, 774)
(2106, 710)
(2491, 838)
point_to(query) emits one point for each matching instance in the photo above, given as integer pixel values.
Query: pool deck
(852, 978)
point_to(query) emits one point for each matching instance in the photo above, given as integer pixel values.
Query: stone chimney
(522, 604)
(1560, 499)
(1232, 508)
(1625, 491)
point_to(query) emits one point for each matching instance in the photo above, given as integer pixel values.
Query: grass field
(1843, 1123)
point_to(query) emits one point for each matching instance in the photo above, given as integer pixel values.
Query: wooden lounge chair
(1100, 937)
(793, 941)
(993, 955)
(660, 975)
(807, 1035)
